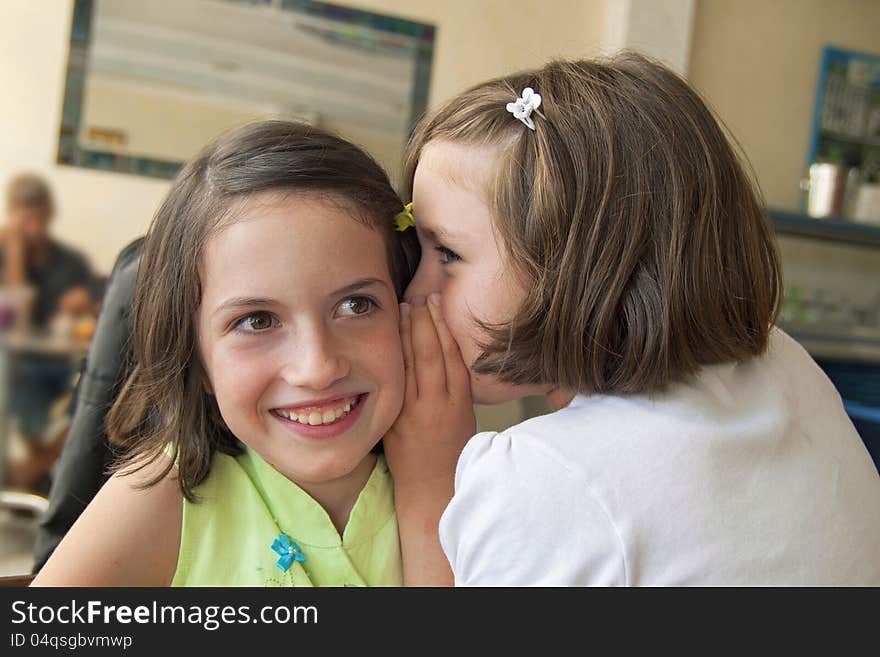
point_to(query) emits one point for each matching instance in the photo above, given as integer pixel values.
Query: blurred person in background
(61, 283)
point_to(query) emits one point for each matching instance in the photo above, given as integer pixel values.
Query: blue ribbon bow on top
(289, 552)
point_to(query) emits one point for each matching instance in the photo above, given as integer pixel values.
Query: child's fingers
(427, 354)
(457, 377)
(412, 391)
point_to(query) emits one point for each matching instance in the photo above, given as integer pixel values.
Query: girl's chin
(327, 473)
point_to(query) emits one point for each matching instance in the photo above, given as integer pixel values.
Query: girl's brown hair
(164, 403)
(637, 234)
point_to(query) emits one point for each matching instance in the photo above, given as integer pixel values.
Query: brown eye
(258, 321)
(355, 306)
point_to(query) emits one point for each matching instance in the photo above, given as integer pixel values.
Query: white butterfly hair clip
(523, 107)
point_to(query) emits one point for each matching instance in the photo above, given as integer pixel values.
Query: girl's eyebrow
(438, 234)
(242, 302)
(359, 285)
(261, 302)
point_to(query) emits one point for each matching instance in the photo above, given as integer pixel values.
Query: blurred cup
(84, 328)
(827, 189)
(61, 325)
(866, 208)
(15, 308)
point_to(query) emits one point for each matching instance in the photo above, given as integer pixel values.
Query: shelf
(832, 230)
(859, 141)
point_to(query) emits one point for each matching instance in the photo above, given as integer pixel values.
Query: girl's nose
(314, 363)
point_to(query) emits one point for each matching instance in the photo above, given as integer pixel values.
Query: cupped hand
(423, 445)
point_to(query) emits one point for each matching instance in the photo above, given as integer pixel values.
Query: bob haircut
(640, 240)
(164, 405)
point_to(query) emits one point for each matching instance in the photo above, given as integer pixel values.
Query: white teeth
(315, 418)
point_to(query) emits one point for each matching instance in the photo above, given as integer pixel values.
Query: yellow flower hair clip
(404, 218)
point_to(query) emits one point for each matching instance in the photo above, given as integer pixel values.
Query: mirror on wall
(149, 83)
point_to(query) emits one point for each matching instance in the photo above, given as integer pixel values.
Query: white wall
(479, 39)
(660, 28)
(757, 63)
(101, 212)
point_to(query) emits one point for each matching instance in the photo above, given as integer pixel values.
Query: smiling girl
(268, 366)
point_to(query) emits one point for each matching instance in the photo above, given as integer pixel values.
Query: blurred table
(14, 343)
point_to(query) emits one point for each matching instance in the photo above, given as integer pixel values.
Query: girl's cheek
(379, 348)
(378, 334)
(238, 371)
(458, 320)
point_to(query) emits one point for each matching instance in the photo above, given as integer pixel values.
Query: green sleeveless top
(245, 504)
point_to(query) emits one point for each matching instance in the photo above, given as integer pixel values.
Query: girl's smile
(326, 419)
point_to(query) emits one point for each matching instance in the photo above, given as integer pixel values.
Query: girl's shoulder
(129, 535)
(517, 501)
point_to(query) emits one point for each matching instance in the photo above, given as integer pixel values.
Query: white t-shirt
(750, 474)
